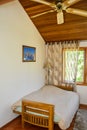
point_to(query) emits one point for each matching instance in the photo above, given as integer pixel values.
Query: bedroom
(18, 78)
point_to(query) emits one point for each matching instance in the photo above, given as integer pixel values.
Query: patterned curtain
(59, 70)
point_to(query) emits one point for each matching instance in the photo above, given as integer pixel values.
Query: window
(81, 65)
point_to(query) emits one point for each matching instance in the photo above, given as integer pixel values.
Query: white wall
(83, 43)
(82, 90)
(16, 77)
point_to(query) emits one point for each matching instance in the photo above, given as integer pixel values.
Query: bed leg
(51, 126)
(51, 122)
(22, 123)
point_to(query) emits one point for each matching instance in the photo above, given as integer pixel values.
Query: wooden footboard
(37, 113)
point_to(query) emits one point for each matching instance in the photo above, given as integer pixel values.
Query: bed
(47, 106)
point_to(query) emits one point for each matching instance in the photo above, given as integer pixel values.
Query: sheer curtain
(61, 62)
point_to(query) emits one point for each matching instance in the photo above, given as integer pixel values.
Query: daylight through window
(81, 63)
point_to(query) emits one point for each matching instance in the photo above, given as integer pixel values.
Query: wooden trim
(81, 84)
(82, 106)
(85, 66)
(84, 83)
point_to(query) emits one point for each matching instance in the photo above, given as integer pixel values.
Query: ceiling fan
(59, 6)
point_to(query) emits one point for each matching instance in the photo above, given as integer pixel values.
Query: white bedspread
(66, 103)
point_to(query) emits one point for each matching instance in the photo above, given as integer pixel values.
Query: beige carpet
(81, 120)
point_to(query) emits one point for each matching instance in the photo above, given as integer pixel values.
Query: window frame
(85, 66)
(81, 83)
(84, 83)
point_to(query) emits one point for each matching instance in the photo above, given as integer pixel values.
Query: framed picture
(29, 54)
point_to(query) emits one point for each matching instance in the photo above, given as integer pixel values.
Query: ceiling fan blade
(77, 12)
(44, 2)
(68, 3)
(37, 15)
(60, 17)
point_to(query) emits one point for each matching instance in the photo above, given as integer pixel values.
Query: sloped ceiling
(74, 27)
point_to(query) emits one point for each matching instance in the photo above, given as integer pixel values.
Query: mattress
(66, 103)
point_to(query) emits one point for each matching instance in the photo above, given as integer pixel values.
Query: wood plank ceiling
(74, 27)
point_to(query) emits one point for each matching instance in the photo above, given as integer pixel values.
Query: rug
(81, 120)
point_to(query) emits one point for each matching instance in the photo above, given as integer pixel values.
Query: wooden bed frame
(37, 113)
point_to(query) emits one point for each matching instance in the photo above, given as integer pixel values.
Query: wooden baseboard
(83, 106)
(10, 122)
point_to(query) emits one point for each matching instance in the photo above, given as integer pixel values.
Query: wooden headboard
(67, 87)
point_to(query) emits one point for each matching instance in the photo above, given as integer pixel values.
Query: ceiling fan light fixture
(60, 17)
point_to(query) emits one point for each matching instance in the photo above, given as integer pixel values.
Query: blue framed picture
(29, 54)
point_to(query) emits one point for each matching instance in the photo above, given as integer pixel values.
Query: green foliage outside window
(80, 64)
(80, 67)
